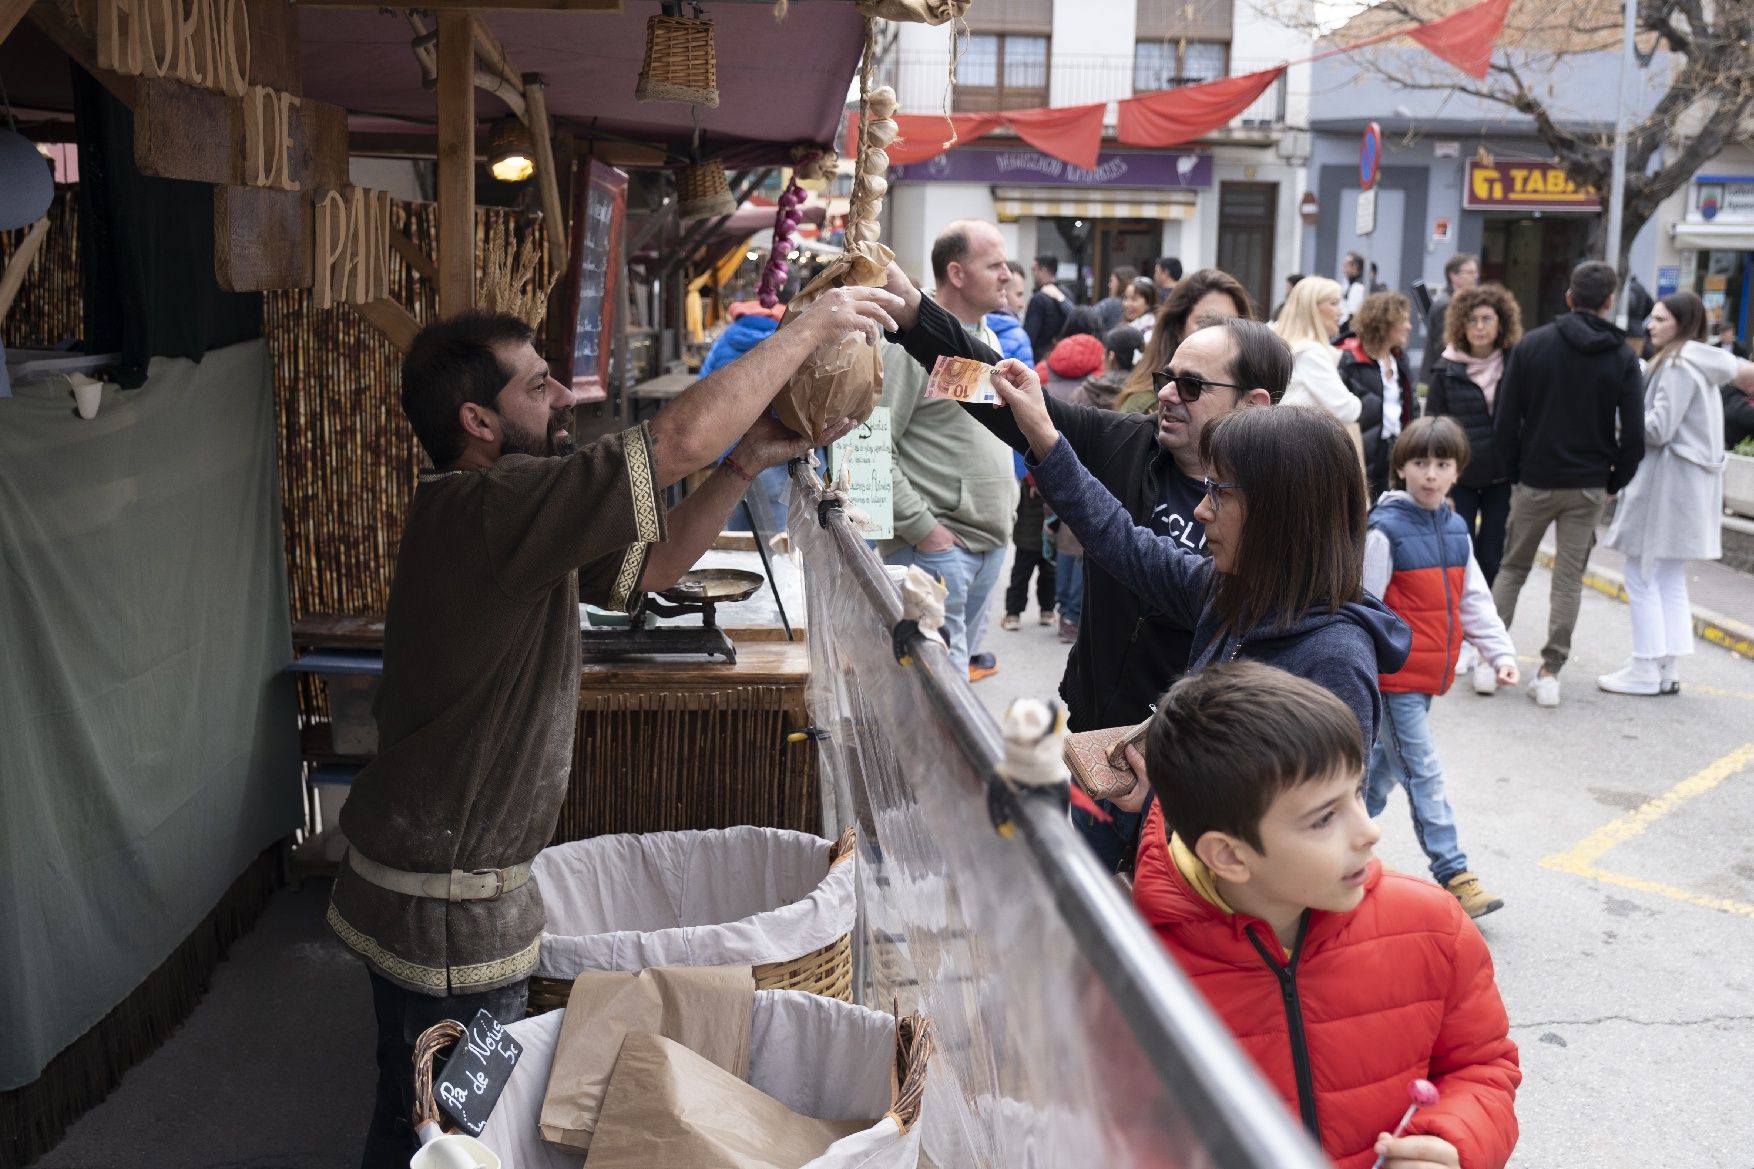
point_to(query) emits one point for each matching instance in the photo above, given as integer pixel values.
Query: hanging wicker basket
(681, 62)
(704, 191)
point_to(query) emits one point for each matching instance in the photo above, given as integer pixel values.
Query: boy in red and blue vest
(1419, 560)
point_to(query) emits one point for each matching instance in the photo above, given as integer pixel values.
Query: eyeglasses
(1188, 386)
(1216, 492)
(1481, 319)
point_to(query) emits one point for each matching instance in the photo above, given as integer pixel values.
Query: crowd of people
(1283, 529)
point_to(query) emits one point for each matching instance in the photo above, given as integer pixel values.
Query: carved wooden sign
(219, 102)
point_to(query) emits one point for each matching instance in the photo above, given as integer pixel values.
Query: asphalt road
(1620, 832)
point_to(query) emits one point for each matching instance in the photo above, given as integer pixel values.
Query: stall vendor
(481, 650)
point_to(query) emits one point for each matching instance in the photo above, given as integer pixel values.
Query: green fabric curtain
(148, 739)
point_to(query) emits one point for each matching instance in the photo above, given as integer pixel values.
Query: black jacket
(1450, 391)
(1738, 415)
(1565, 386)
(1363, 376)
(1434, 339)
(1128, 652)
(1043, 318)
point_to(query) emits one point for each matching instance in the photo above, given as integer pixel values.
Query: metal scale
(698, 593)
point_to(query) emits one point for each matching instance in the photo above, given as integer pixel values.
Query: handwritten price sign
(476, 1073)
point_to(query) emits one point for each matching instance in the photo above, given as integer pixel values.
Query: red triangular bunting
(1071, 134)
(1465, 39)
(1174, 116)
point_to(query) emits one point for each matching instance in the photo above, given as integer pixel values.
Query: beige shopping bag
(705, 1008)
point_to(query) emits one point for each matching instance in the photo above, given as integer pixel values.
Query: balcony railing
(1072, 79)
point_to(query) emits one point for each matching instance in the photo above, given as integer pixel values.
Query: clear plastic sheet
(1036, 1064)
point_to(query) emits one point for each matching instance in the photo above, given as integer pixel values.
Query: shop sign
(1114, 168)
(1668, 280)
(1729, 200)
(1524, 186)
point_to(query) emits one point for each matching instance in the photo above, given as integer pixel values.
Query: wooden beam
(11, 12)
(492, 53)
(456, 163)
(547, 181)
(392, 320)
(604, 6)
(81, 47)
(413, 256)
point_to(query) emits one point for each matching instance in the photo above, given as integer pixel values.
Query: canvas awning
(1723, 237)
(1016, 202)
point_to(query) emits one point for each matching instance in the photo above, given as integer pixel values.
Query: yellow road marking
(1580, 860)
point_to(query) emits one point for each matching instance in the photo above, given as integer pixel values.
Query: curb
(1722, 631)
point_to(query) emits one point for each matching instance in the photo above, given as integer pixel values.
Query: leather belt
(456, 885)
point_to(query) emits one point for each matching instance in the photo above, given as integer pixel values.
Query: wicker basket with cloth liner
(819, 1057)
(781, 902)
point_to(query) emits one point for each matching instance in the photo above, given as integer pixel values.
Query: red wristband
(730, 464)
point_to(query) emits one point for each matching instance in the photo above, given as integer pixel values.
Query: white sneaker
(1545, 690)
(1467, 659)
(1485, 678)
(1639, 676)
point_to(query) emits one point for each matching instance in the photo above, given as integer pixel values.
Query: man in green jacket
(955, 487)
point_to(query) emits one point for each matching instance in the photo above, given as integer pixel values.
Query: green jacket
(947, 467)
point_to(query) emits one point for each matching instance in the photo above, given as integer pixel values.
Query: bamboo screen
(50, 307)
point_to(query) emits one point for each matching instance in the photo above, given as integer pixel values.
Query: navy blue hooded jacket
(1344, 651)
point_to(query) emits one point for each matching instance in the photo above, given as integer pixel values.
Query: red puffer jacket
(1399, 989)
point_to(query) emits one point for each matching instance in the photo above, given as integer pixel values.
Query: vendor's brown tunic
(480, 697)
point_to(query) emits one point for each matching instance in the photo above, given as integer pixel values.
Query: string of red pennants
(1172, 117)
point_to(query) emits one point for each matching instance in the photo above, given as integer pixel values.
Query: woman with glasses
(1284, 517)
(1479, 330)
(1307, 324)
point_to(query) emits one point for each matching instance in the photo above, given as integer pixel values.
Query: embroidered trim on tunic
(638, 456)
(412, 973)
(461, 978)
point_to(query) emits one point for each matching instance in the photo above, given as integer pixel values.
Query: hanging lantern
(681, 61)
(510, 155)
(703, 191)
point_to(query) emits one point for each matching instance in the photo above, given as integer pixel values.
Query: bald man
(955, 486)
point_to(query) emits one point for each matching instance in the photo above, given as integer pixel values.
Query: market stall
(229, 503)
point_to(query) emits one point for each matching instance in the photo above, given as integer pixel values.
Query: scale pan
(714, 584)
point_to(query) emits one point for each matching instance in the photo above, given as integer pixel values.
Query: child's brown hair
(1431, 437)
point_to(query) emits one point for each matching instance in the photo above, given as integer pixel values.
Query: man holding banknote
(955, 487)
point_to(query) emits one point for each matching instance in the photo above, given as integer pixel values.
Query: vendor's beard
(519, 441)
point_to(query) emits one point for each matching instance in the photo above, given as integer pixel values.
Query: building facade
(1458, 175)
(1705, 239)
(1229, 200)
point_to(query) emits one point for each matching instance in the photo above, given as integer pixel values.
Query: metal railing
(1071, 79)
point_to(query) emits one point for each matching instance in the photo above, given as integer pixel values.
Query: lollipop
(1423, 1094)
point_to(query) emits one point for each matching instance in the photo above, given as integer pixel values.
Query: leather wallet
(1098, 761)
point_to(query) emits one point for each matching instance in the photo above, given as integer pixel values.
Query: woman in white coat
(1307, 322)
(1672, 511)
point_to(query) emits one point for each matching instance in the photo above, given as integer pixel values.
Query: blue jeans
(1069, 580)
(969, 578)
(1404, 752)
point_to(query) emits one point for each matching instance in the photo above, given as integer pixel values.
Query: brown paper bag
(845, 379)
(667, 1106)
(705, 1008)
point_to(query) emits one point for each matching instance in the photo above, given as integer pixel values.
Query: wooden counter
(668, 743)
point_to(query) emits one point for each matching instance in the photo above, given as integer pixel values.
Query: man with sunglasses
(1126, 654)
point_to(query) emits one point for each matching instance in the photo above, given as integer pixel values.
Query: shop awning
(1016, 202)
(1723, 237)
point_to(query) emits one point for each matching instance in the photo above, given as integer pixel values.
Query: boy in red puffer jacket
(1342, 982)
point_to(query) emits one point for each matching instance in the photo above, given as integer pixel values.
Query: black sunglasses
(1188, 386)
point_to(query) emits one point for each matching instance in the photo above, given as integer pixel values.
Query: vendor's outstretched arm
(692, 525)
(1154, 567)
(715, 412)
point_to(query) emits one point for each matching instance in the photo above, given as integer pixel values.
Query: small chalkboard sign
(476, 1073)
(592, 286)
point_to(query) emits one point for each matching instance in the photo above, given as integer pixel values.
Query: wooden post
(11, 12)
(456, 162)
(547, 181)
